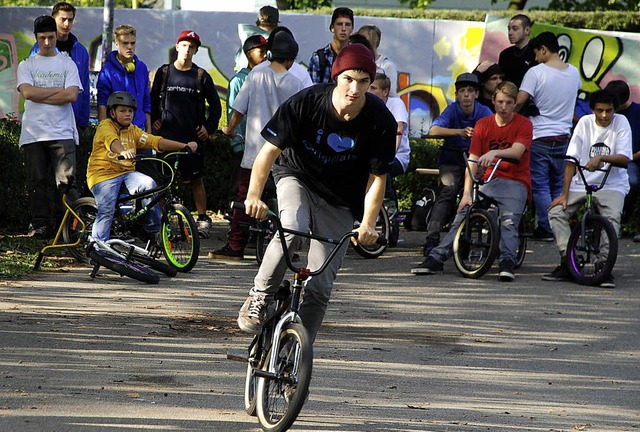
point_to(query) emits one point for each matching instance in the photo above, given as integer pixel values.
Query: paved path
(396, 352)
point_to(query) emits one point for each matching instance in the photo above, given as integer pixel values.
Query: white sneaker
(252, 313)
(204, 228)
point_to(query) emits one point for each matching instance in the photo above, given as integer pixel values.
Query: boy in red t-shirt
(505, 134)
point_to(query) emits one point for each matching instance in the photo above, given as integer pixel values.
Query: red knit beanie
(354, 56)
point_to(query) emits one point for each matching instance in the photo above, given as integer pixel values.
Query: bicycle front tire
(280, 399)
(593, 263)
(180, 238)
(476, 243)
(124, 267)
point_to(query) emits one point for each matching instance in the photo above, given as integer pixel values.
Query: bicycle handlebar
(282, 230)
(581, 169)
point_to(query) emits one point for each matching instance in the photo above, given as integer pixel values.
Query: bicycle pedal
(238, 358)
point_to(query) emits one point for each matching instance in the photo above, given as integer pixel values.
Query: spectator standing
(322, 60)
(502, 135)
(254, 49)
(185, 107)
(65, 15)
(383, 63)
(631, 110)
(516, 60)
(553, 86)
(381, 87)
(49, 83)
(598, 139)
(456, 125)
(489, 76)
(320, 140)
(262, 93)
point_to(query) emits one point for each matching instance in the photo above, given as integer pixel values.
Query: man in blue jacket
(456, 125)
(65, 15)
(123, 71)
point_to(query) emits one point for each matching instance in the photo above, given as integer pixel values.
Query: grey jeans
(303, 210)
(609, 204)
(511, 197)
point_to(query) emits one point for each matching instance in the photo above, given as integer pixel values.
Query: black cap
(283, 46)
(255, 41)
(44, 23)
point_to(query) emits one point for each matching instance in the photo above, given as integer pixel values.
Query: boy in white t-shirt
(598, 139)
(264, 90)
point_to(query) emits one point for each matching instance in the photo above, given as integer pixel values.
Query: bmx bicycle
(477, 240)
(592, 249)
(179, 241)
(280, 358)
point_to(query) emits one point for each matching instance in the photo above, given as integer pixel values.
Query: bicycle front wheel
(384, 229)
(180, 239)
(87, 210)
(476, 244)
(124, 267)
(280, 399)
(592, 254)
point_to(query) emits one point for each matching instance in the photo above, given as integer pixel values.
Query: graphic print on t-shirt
(600, 149)
(340, 144)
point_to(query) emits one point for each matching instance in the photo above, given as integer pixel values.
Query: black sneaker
(506, 271)
(226, 253)
(559, 274)
(608, 282)
(428, 267)
(542, 234)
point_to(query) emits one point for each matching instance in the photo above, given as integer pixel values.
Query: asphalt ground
(396, 352)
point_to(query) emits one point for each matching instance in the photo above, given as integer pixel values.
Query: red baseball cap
(189, 35)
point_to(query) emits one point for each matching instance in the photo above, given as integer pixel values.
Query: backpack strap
(322, 62)
(163, 86)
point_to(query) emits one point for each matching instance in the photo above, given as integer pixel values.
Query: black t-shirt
(515, 62)
(182, 113)
(332, 157)
(65, 46)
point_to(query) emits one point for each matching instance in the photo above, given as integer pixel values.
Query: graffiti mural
(429, 54)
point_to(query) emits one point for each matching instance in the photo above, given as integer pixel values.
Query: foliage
(18, 254)
(594, 5)
(76, 3)
(420, 4)
(424, 154)
(302, 4)
(13, 188)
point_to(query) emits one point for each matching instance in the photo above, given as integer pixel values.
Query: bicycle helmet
(121, 98)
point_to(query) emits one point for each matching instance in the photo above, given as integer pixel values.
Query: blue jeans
(547, 175)
(511, 197)
(106, 193)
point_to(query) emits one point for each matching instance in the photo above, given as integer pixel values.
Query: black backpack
(418, 216)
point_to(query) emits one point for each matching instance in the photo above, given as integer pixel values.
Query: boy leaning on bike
(106, 173)
(507, 135)
(598, 139)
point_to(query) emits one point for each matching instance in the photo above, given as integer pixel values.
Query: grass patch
(19, 253)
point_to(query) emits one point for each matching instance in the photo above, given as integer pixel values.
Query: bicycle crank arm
(238, 358)
(273, 376)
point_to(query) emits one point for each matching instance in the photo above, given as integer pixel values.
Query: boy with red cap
(330, 147)
(179, 112)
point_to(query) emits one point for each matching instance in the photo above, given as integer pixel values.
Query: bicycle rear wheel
(280, 399)
(124, 267)
(155, 264)
(384, 229)
(251, 382)
(87, 210)
(592, 262)
(180, 239)
(476, 244)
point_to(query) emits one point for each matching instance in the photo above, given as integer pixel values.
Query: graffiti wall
(429, 54)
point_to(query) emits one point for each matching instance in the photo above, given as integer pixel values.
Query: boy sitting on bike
(106, 174)
(599, 138)
(505, 135)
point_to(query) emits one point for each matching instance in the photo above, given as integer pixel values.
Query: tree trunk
(517, 4)
(107, 29)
